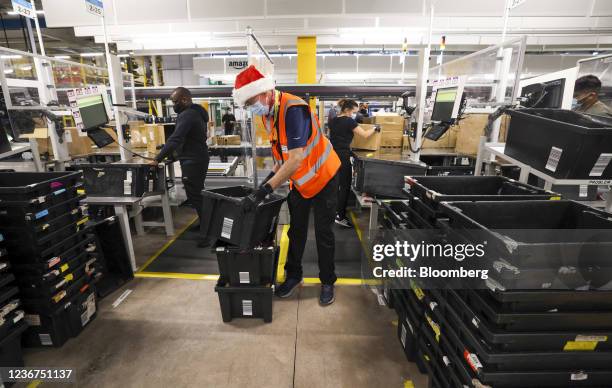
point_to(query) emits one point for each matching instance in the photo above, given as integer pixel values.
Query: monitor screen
(544, 95)
(444, 104)
(93, 111)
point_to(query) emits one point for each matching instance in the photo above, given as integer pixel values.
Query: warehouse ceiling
(163, 27)
(58, 41)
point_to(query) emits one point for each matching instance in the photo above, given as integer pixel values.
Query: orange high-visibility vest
(320, 162)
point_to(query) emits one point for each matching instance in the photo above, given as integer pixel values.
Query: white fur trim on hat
(252, 89)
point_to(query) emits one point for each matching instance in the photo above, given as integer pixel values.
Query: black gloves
(377, 128)
(250, 202)
(270, 175)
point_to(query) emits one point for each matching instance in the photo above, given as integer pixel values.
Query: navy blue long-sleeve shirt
(189, 137)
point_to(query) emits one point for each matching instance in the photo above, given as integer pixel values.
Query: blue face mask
(259, 109)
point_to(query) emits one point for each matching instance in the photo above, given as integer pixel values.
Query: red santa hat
(249, 83)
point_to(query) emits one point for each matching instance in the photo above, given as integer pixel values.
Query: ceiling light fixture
(88, 55)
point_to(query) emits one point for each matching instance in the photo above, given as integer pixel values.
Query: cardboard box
(391, 139)
(371, 143)
(389, 119)
(448, 140)
(42, 139)
(470, 129)
(228, 140)
(392, 127)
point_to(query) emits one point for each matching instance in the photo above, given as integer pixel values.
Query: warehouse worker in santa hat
(304, 156)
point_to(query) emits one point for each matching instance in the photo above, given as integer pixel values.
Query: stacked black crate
(12, 322)
(419, 329)
(544, 319)
(52, 252)
(246, 250)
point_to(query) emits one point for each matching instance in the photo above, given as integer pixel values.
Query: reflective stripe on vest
(313, 170)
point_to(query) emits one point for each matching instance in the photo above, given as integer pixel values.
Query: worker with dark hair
(342, 129)
(228, 121)
(188, 142)
(362, 112)
(586, 97)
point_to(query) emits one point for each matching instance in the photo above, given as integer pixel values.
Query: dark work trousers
(194, 174)
(345, 177)
(324, 204)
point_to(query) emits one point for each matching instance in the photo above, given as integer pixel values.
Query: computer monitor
(93, 111)
(544, 95)
(447, 102)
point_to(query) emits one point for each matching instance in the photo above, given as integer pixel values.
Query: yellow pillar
(307, 63)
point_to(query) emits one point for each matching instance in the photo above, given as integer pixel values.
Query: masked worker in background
(586, 97)
(188, 144)
(303, 155)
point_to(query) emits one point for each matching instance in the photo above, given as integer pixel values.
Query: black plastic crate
(51, 268)
(538, 321)
(441, 360)
(245, 302)
(29, 245)
(11, 354)
(122, 179)
(25, 213)
(546, 300)
(561, 143)
(26, 186)
(35, 289)
(383, 178)
(223, 218)
(38, 232)
(407, 325)
(430, 360)
(52, 255)
(48, 304)
(251, 267)
(561, 226)
(6, 278)
(7, 293)
(11, 319)
(67, 320)
(546, 340)
(433, 190)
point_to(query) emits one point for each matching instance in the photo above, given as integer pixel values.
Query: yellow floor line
(282, 255)
(359, 233)
(176, 275)
(34, 384)
(164, 247)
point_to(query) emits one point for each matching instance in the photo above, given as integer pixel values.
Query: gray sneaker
(327, 295)
(286, 289)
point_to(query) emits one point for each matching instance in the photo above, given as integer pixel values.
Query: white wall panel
(271, 23)
(602, 8)
(298, 7)
(149, 10)
(384, 6)
(226, 8)
(553, 8)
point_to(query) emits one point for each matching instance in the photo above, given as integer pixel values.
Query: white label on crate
(446, 360)
(409, 326)
(403, 336)
(591, 338)
(475, 322)
(151, 135)
(244, 277)
(465, 161)
(32, 319)
(68, 136)
(601, 164)
(150, 184)
(228, 224)
(127, 187)
(42, 199)
(3, 265)
(584, 191)
(473, 360)
(553, 159)
(247, 307)
(128, 175)
(45, 339)
(90, 309)
(579, 376)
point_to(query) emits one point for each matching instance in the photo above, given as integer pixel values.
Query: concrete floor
(169, 332)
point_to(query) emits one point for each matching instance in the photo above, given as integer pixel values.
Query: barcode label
(127, 187)
(601, 164)
(90, 309)
(247, 307)
(45, 339)
(244, 277)
(403, 336)
(33, 320)
(409, 326)
(150, 184)
(553, 159)
(584, 191)
(580, 376)
(228, 224)
(18, 316)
